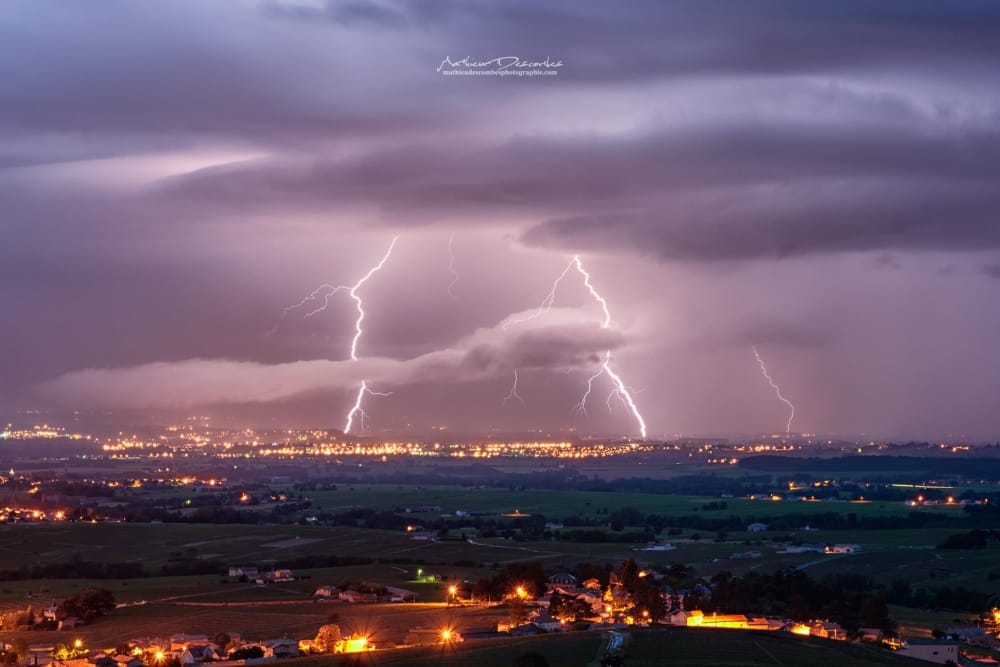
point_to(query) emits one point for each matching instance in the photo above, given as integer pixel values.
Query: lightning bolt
(513, 392)
(326, 291)
(356, 409)
(546, 302)
(777, 390)
(581, 407)
(619, 390)
(451, 265)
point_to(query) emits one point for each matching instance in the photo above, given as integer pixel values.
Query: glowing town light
(513, 392)
(777, 391)
(619, 386)
(451, 265)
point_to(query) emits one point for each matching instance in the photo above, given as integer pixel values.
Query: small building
(678, 617)
(544, 621)
(422, 636)
(423, 535)
(244, 571)
(562, 579)
(353, 596)
(842, 548)
(731, 621)
(931, 650)
(326, 591)
(39, 654)
(827, 630)
(400, 594)
(182, 641)
(870, 634)
(127, 661)
(281, 648)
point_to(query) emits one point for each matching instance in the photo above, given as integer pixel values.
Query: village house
(424, 636)
(732, 621)
(127, 661)
(423, 509)
(827, 630)
(39, 654)
(281, 648)
(182, 641)
(544, 621)
(326, 591)
(940, 651)
(678, 617)
(562, 579)
(400, 594)
(423, 535)
(244, 571)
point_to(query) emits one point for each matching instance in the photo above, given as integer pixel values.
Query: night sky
(818, 180)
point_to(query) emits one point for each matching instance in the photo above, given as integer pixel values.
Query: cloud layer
(488, 353)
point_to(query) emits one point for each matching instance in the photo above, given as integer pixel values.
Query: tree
(628, 575)
(89, 604)
(222, 640)
(517, 611)
(327, 638)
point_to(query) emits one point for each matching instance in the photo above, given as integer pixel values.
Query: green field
(559, 504)
(213, 603)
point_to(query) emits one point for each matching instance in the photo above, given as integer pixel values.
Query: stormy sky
(818, 180)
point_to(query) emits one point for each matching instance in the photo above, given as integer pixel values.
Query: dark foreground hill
(655, 647)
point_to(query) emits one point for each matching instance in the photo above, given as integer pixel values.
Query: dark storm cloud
(791, 222)
(174, 77)
(706, 193)
(655, 40)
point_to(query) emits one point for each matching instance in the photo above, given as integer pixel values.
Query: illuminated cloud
(560, 345)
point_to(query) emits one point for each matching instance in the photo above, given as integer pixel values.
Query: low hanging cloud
(564, 341)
